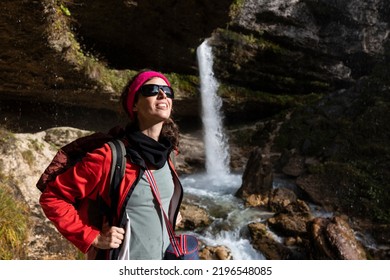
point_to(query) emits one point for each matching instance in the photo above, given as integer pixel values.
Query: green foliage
(65, 10)
(240, 94)
(14, 216)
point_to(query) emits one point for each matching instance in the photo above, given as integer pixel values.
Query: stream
(230, 217)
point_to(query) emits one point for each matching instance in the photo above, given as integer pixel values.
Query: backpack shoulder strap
(118, 167)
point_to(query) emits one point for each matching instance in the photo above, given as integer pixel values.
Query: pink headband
(136, 84)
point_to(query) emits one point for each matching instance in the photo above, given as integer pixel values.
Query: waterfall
(215, 141)
(214, 190)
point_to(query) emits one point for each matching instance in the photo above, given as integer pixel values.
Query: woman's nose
(161, 94)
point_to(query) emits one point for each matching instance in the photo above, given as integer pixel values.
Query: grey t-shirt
(149, 237)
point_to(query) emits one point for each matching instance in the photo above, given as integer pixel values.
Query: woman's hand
(109, 237)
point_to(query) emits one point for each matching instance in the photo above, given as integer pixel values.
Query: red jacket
(72, 201)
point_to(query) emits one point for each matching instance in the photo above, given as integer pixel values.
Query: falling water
(215, 141)
(214, 190)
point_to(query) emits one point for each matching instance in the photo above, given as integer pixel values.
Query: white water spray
(215, 140)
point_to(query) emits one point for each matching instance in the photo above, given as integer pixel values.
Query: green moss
(237, 95)
(320, 85)
(316, 168)
(235, 8)
(65, 10)
(252, 40)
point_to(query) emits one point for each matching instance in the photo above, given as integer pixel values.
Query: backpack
(70, 154)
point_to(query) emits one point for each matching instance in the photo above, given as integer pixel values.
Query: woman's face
(153, 109)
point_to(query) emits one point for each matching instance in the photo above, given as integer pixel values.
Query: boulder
(215, 253)
(333, 238)
(257, 178)
(194, 218)
(265, 243)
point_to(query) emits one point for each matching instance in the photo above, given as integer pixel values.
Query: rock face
(64, 57)
(275, 46)
(148, 34)
(68, 62)
(300, 47)
(30, 69)
(125, 34)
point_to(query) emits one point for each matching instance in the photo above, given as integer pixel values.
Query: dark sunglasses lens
(168, 91)
(149, 90)
(152, 90)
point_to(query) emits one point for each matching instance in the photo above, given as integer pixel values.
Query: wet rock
(316, 189)
(280, 198)
(256, 200)
(295, 166)
(288, 224)
(333, 238)
(292, 214)
(193, 217)
(258, 176)
(215, 253)
(298, 207)
(191, 157)
(265, 243)
(301, 236)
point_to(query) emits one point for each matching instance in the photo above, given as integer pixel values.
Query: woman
(150, 138)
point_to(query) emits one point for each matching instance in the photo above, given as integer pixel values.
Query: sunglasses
(153, 90)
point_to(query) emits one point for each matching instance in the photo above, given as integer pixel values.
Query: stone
(333, 238)
(257, 178)
(215, 253)
(264, 242)
(193, 217)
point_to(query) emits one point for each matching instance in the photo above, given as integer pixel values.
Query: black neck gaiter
(152, 151)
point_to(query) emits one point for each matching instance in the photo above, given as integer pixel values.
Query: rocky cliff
(270, 55)
(58, 55)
